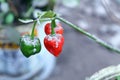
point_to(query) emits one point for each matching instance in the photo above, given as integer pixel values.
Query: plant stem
(52, 30)
(32, 33)
(51, 5)
(29, 12)
(53, 25)
(99, 41)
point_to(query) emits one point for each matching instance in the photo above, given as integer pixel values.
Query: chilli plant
(54, 40)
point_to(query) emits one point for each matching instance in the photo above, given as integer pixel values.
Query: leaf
(48, 14)
(26, 20)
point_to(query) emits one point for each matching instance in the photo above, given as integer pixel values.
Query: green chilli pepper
(29, 46)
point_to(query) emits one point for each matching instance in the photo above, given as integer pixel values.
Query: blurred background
(81, 57)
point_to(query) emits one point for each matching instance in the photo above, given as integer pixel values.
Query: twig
(12, 7)
(110, 13)
(97, 40)
(29, 12)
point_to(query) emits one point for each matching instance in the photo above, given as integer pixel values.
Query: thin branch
(97, 40)
(110, 13)
(12, 7)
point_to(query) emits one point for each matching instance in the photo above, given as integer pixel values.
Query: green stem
(52, 31)
(32, 33)
(53, 25)
(51, 5)
(99, 41)
(29, 12)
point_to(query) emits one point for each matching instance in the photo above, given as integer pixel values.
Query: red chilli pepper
(58, 29)
(54, 43)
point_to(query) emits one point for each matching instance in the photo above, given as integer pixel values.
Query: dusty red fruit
(54, 43)
(58, 29)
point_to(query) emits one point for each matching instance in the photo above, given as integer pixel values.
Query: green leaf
(26, 20)
(48, 14)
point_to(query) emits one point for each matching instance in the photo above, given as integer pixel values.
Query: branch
(12, 7)
(97, 40)
(110, 13)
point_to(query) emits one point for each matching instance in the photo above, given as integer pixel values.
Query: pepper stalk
(53, 25)
(32, 33)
